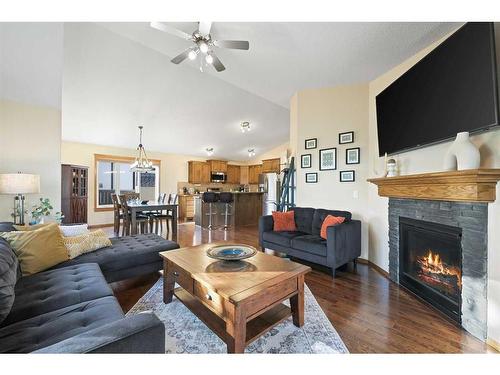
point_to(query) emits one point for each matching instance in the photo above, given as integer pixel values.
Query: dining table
(138, 207)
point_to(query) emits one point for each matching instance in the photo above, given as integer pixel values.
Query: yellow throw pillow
(39, 249)
(85, 243)
(25, 228)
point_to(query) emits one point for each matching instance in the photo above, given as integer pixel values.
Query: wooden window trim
(118, 159)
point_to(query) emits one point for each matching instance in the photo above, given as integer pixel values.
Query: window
(113, 176)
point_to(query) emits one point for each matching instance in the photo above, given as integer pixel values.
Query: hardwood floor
(371, 313)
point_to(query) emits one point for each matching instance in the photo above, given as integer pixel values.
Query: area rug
(185, 333)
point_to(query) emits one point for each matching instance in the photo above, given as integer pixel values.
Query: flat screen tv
(452, 89)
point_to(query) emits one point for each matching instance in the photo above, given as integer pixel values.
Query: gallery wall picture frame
(306, 161)
(311, 143)
(311, 178)
(347, 176)
(352, 155)
(346, 137)
(328, 159)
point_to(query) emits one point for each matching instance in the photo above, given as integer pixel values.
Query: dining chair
(170, 216)
(117, 214)
(161, 215)
(141, 219)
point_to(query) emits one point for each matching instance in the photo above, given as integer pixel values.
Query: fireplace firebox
(430, 263)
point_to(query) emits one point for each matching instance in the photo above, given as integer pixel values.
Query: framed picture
(305, 161)
(311, 178)
(328, 159)
(311, 143)
(347, 176)
(352, 155)
(347, 137)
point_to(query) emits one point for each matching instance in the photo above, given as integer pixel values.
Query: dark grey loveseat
(343, 243)
(71, 308)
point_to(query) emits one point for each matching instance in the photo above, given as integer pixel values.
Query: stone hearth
(472, 217)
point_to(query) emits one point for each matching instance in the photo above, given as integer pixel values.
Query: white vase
(462, 154)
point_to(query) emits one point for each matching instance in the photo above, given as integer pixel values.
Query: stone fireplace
(438, 240)
(430, 263)
(446, 263)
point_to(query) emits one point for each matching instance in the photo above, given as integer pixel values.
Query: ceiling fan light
(209, 59)
(203, 47)
(192, 55)
(210, 151)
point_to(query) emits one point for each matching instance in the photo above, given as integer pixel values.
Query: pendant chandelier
(141, 163)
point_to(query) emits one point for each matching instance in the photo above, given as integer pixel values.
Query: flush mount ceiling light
(245, 126)
(210, 151)
(251, 152)
(141, 163)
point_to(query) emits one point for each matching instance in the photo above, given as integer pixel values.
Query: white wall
(30, 103)
(323, 114)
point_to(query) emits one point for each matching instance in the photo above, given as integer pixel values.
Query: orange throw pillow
(284, 221)
(330, 221)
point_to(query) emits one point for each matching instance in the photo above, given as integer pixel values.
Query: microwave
(218, 177)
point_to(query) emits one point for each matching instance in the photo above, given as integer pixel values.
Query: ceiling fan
(203, 44)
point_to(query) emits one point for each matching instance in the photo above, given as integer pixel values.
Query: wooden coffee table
(238, 301)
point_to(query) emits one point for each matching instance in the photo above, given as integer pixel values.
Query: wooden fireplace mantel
(473, 185)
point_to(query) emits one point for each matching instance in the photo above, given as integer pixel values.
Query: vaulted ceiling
(116, 76)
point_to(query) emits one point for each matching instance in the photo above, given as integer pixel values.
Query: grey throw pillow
(8, 278)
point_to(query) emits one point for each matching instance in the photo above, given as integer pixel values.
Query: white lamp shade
(19, 183)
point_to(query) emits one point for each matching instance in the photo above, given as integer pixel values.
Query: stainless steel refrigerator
(269, 183)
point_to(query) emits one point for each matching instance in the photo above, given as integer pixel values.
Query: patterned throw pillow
(74, 230)
(86, 243)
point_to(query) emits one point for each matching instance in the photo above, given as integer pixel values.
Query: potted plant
(41, 210)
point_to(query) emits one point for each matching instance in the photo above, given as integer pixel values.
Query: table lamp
(19, 184)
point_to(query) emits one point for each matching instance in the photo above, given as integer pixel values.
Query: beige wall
(30, 142)
(323, 114)
(430, 159)
(174, 168)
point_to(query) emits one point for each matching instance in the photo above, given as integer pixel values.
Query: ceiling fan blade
(182, 56)
(233, 44)
(217, 63)
(170, 30)
(204, 27)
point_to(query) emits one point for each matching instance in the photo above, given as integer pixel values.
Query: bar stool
(210, 197)
(227, 199)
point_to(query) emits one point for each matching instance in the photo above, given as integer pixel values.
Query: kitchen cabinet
(271, 165)
(198, 172)
(186, 207)
(233, 174)
(218, 166)
(244, 174)
(253, 173)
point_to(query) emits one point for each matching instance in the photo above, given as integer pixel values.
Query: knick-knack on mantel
(462, 154)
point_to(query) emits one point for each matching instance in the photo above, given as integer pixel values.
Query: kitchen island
(245, 210)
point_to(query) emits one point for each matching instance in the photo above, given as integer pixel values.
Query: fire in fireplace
(431, 263)
(442, 276)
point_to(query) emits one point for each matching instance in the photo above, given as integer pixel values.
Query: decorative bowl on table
(231, 252)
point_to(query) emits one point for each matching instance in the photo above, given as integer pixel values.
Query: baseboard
(97, 226)
(374, 266)
(494, 344)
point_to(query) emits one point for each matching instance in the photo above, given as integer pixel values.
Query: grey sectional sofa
(343, 243)
(71, 308)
